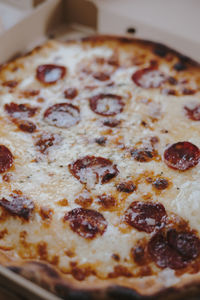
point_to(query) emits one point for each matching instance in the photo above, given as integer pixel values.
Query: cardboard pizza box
(66, 19)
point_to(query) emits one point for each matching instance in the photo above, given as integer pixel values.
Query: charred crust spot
(80, 273)
(160, 183)
(120, 270)
(18, 205)
(6, 159)
(126, 187)
(180, 66)
(46, 268)
(86, 222)
(111, 122)
(101, 141)
(145, 216)
(70, 93)
(101, 169)
(161, 50)
(107, 201)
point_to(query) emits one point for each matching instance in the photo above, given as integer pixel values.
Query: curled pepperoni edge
(167, 248)
(55, 107)
(139, 73)
(40, 72)
(76, 166)
(87, 223)
(94, 101)
(138, 214)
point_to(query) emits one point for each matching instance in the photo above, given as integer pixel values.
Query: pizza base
(134, 288)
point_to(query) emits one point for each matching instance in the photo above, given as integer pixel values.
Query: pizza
(99, 169)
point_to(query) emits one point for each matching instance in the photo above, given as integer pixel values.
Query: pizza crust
(65, 285)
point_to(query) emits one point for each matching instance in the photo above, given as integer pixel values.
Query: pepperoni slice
(101, 76)
(87, 223)
(111, 122)
(174, 249)
(182, 156)
(107, 201)
(145, 216)
(26, 126)
(106, 104)
(70, 93)
(20, 111)
(47, 140)
(6, 159)
(126, 187)
(194, 113)
(149, 78)
(92, 170)
(62, 115)
(50, 74)
(18, 205)
(142, 155)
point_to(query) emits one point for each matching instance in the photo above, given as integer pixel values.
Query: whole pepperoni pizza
(99, 169)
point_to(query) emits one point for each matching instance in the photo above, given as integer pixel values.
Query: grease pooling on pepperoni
(47, 140)
(145, 216)
(20, 111)
(174, 249)
(18, 205)
(91, 170)
(50, 74)
(87, 223)
(182, 156)
(193, 113)
(6, 159)
(149, 78)
(62, 115)
(106, 104)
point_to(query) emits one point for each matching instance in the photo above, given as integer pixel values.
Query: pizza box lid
(65, 19)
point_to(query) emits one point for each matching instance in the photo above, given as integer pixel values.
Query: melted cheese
(46, 179)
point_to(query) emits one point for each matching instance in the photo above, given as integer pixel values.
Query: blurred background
(173, 22)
